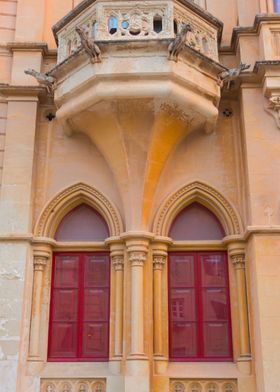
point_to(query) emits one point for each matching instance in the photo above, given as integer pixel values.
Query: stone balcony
(136, 104)
(134, 20)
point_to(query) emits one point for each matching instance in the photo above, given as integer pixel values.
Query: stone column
(159, 260)
(118, 263)
(160, 302)
(237, 256)
(40, 260)
(137, 249)
(137, 259)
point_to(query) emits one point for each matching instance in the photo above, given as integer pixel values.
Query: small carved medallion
(99, 387)
(195, 387)
(212, 388)
(178, 387)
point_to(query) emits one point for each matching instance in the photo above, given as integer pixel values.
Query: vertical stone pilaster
(160, 301)
(237, 256)
(118, 263)
(40, 260)
(137, 259)
(159, 261)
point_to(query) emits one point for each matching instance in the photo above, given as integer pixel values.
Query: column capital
(236, 251)
(238, 260)
(40, 259)
(118, 262)
(159, 260)
(137, 258)
(39, 262)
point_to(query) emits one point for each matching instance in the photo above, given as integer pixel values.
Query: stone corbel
(273, 108)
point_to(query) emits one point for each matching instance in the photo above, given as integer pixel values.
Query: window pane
(95, 340)
(183, 305)
(97, 271)
(96, 305)
(199, 310)
(83, 223)
(63, 340)
(276, 5)
(216, 340)
(182, 270)
(213, 270)
(65, 305)
(196, 222)
(66, 271)
(183, 339)
(215, 306)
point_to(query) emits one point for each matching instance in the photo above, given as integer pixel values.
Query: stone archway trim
(68, 199)
(207, 196)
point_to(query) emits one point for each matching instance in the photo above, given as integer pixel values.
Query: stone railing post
(237, 256)
(40, 260)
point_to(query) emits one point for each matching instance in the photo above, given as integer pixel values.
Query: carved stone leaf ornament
(273, 108)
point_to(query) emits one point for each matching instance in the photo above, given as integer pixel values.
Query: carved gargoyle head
(30, 71)
(81, 31)
(244, 66)
(185, 27)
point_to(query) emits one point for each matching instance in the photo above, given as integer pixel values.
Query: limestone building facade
(139, 188)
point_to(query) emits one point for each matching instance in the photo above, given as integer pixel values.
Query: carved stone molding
(118, 262)
(273, 108)
(159, 261)
(189, 385)
(199, 192)
(73, 385)
(137, 258)
(69, 198)
(238, 260)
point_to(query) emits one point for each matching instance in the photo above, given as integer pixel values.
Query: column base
(115, 364)
(160, 364)
(137, 377)
(244, 364)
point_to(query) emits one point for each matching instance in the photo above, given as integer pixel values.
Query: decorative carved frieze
(137, 258)
(73, 385)
(273, 108)
(203, 37)
(189, 385)
(134, 20)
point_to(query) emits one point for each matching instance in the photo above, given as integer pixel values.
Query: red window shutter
(215, 305)
(182, 304)
(199, 309)
(79, 319)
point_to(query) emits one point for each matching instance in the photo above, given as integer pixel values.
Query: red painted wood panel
(199, 307)
(79, 311)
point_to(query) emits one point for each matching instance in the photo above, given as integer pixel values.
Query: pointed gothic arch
(67, 200)
(203, 194)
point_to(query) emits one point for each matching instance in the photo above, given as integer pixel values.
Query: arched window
(276, 4)
(79, 311)
(199, 307)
